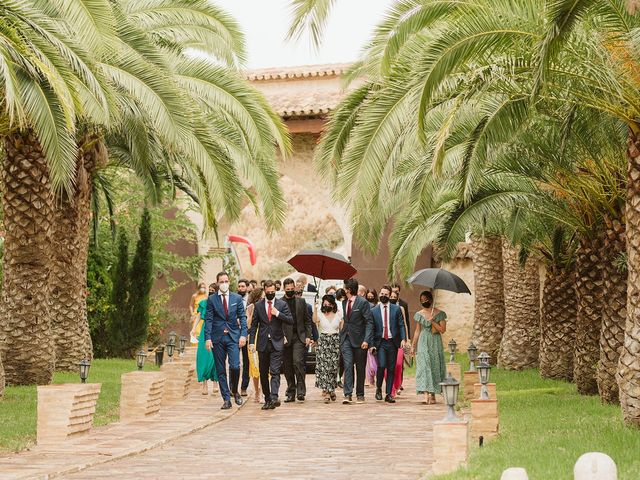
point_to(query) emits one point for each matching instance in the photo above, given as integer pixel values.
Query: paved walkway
(297, 441)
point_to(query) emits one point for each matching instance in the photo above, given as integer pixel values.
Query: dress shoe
(301, 398)
(266, 406)
(360, 400)
(389, 399)
(276, 403)
(238, 399)
(226, 405)
(289, 399)
(243, 393)
(378, 394)
(347, 400)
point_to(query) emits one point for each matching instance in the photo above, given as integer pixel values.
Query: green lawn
(545, 426)
(18, 408)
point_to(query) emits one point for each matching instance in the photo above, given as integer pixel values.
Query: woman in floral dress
(329, 321)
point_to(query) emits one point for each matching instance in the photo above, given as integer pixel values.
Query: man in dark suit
(269, 317)
(225, 330)
(299, 337)
(355, 338)
(306, 286)
(389, 336)
(405, 306)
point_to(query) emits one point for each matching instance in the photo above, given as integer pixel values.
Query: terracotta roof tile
(302, 104)
(284, 73)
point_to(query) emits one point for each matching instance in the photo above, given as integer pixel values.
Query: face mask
(326, 309)
(271, 295)
(299, 292)
(370, 300)
(290, 293)
(202, 289)
(242, 294)
(393, 300)
(212, 292)
(426, 304)
(384, 299)
(224, 287)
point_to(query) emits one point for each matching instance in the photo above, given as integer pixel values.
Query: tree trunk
(520, 344)
(69, 262)
(27, 344)
(1, 379)
(488, 318)
(558, 323)
(629, 365)
(614, 311)
(589, 295)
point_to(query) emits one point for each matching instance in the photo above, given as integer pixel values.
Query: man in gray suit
(355, 338)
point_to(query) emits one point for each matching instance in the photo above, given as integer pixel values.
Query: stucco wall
(459, 307)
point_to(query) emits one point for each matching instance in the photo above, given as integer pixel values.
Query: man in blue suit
(225, 330)
(389, 335)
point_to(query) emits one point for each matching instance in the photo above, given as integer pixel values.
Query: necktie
(349, 308)
(224, 305)
(269, 310)
(386, 324)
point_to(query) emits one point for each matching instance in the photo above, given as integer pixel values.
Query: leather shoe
(289, 399)
(389, 399)
(347, 400)
(226, 405)
(276, 403)
(238, 399)
(243, 393)
(360, 400)
(378, 394)
(266, 406)
(301, 398)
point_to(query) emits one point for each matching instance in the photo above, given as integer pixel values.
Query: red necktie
(386, 324)
(349, 308)
(224, 305)
(269, 310)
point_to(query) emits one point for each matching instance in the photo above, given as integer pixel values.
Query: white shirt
(329, 326)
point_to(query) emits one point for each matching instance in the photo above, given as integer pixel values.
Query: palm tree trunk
(589, 295)
(629, 365)
(488, 317)
(26, 342)
(520, 344)
(558, 323)
(614, 311)
(69, 263)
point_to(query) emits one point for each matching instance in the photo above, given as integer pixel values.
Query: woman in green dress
(205, 365)
(428, 349)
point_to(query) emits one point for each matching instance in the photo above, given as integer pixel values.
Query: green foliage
(19, 410)
(99, 306)
(119, 319)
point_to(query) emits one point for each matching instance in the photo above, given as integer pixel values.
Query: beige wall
(459, 307)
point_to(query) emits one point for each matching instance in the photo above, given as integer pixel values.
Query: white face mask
(202, 289)
(223, 287)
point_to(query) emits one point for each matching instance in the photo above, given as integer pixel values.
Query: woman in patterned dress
(428, 349)
(254, 367)
(329, 321)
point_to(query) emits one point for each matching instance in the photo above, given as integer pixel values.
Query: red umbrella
(322, 264)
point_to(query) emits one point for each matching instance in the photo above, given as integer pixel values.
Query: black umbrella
(439, 279)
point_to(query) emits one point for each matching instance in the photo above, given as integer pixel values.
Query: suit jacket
(311, 288)
(396, 324)
(405, 305)
(215, 321)
(302, 320)
(269, 330)
(358, 327)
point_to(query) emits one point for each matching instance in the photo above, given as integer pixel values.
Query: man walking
(298, 335)
(226, 332)
(355, 338)
(267, 336)
(389, 336)
(242, 291)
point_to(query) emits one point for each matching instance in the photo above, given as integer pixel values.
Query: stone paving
(307, 440)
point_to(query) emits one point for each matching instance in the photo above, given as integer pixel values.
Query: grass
(545, 426)
(18, 408)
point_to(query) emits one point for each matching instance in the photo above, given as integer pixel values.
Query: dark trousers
(225, 349)
(295, 368)
(353, 356)
(270, 363)
(387, 356)
(245, 367)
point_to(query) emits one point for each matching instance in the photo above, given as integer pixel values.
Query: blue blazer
(215, 321)
(396, 324)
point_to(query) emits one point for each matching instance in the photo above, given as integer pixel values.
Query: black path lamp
(450, 388)
(452, 350)
(483, 371)
(140, 358)
(84, 370)
(172, 337)
(472, 351)
(182, 344)
(170, 348)
(159, 355)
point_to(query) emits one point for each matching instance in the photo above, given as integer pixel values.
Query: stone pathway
(307, 440)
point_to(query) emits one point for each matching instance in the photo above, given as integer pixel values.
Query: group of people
(358, 333)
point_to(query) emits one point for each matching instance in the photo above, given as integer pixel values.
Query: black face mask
(326, 309)
(426, 304)
(270, 296)
(212, 293)
(370, 300)
(393, 300)
(384, 299)
(242, 294)
(290, 293)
